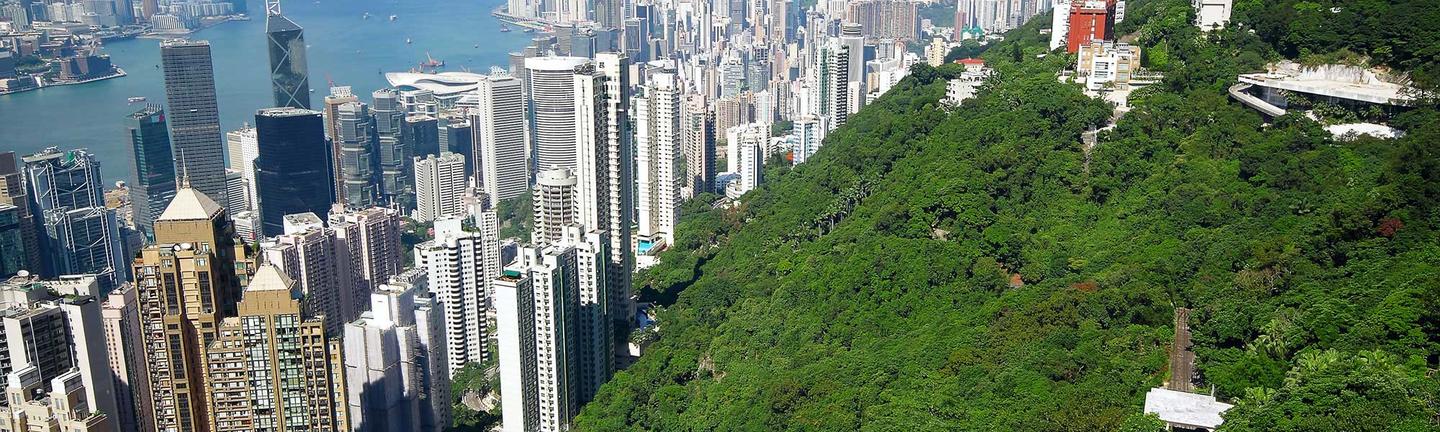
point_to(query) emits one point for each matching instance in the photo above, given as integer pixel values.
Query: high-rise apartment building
(14, 193)
(153, 183)
(56, 404)
(752, 164)
(51, 329)
(886, 19)
(396, 374)
(189, 280)
(611, 209)
(461, 265)
(699, 146)
(194, 114)
(125, 350)
(498, 125)
(369, 239)
(270, 366)
(306, 254)
(657, 142)
(537, 300)
(810, 135)
(292, 171)
(554, 204)
(439, 186)
(289, 73)
(832, 82)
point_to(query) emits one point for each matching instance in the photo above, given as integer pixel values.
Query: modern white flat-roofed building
(1185, 410)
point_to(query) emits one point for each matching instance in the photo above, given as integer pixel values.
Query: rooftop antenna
(184, 171)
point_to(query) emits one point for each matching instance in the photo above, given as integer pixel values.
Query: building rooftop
(269, 278)
(190, 204)
(1337, 81)
(1185, 409)
(443, 85)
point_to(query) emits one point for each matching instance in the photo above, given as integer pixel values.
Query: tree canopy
(981, 270)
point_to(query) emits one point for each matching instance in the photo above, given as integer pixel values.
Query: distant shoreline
(116, 72)
(203, 25)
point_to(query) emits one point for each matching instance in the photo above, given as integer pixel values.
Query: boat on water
(135, 99)
(365, 16)
(407, 41)
(504, 28)
(529, 30)
(431, 63)
(394, 17)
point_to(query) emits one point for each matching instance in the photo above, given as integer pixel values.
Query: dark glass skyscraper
(153, 183)
(194, 115)
(292, 169)
(289, 75)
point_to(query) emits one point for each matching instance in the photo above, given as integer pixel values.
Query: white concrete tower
(657, 143)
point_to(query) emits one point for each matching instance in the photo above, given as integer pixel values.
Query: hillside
(869, 289)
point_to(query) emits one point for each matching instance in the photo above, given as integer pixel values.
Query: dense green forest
(979, 270)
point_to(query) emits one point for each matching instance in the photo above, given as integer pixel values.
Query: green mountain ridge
(869, 288)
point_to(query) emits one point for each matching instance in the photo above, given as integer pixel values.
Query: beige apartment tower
(270, 367)
(188, 282)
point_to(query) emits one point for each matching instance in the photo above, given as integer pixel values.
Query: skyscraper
(194, 114)
(269, 367)
(121, 317)
(422, 135)
(554, 204)
(657, 143)
(289, 74)
(391, 153)
(811, 132)
(699, 146)
(242, 146)
(80, 235)
(499, 127)
(338, 96)
(613, 208)
(369, 239)
(552, 110)
(544, 276)
(439, 186)
(306, 254)
(53, 328)
(395, 360)
(354, 139)
(292, 171)
(461, 266)
(12, 243)
(154, 170)
(14, 193)
(189, 281)
(536, 316)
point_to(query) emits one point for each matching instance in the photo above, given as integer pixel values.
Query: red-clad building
(1090, 20)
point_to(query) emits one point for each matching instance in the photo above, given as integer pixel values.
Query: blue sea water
(343, 47)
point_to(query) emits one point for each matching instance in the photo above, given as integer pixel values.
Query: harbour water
(343, 47)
